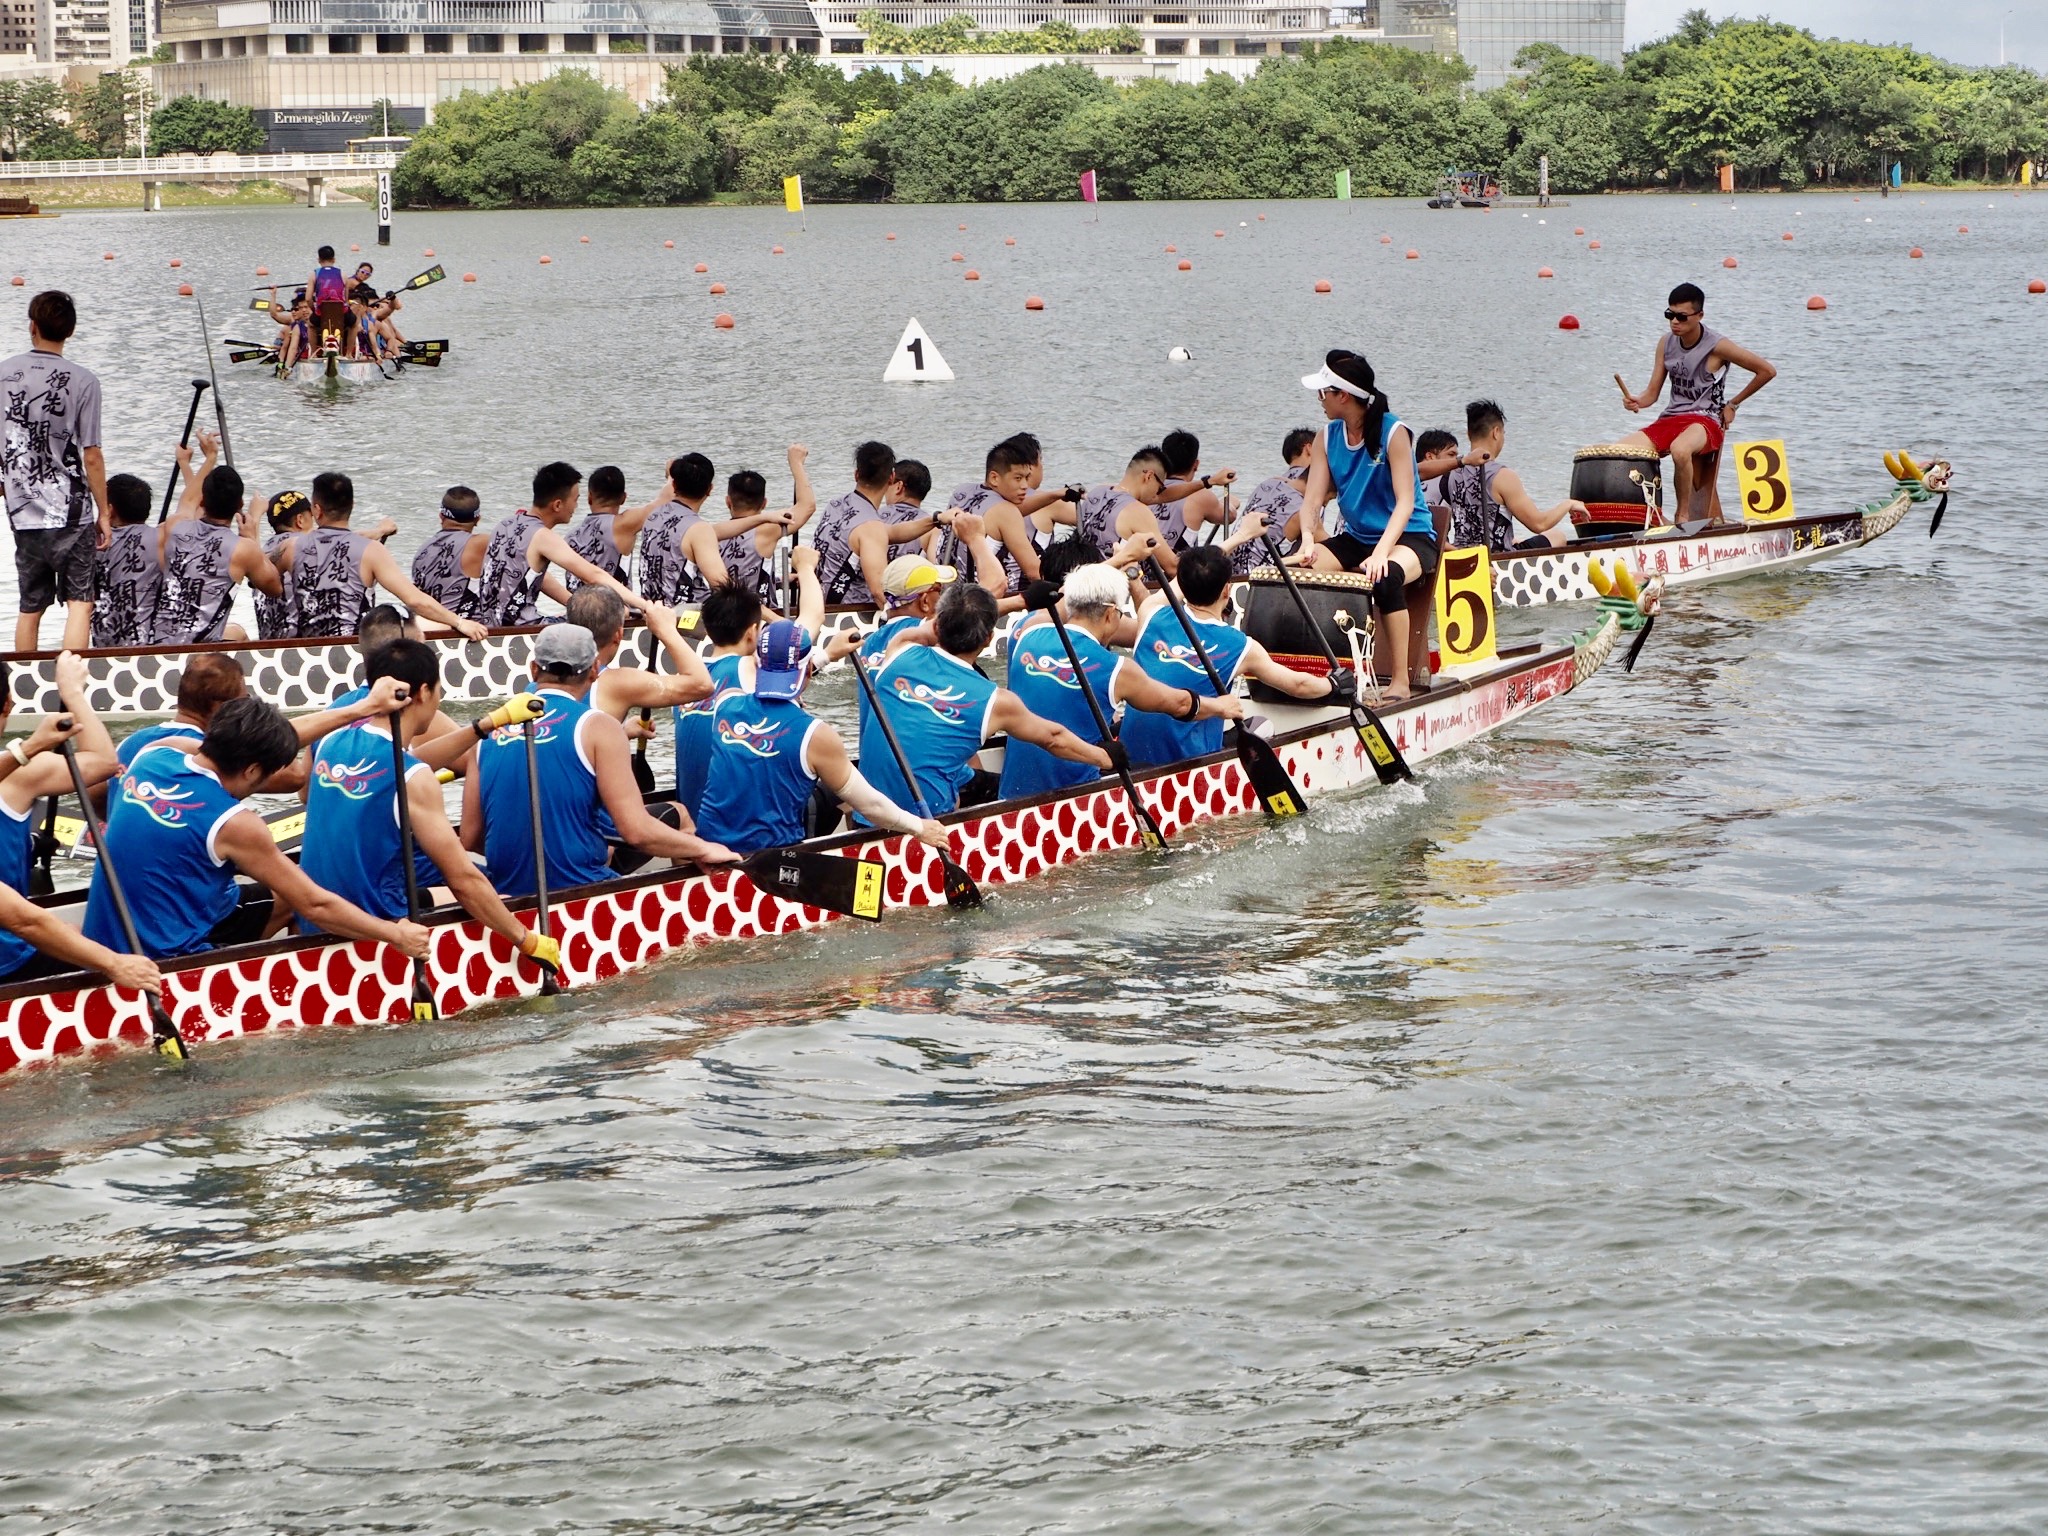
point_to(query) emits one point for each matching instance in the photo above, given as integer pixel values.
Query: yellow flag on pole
(793, 193)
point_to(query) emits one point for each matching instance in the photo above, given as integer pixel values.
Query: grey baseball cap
(565, 648)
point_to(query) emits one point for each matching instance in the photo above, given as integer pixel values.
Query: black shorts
(54, 565)
(1352, 552)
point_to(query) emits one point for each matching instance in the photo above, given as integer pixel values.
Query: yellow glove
(517, 710)
(542, 950)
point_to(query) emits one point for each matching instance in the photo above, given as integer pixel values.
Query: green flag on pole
(1344, 185)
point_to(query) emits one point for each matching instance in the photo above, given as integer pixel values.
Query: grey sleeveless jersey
(838, 571)
(277, 618)
(1477, 520)
(327, 582)
(743, 567)
(437, 571)
(1172, 519)
(663, 573)
(126, 584)
(1276, 499)
(1694, 390)
(1095, 518)
(198, 583)
(592, 539)
(509, 584)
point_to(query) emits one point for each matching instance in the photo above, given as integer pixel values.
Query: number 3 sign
(1763, 481)
(1464, 608)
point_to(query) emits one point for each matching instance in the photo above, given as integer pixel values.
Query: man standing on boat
(334, 567)
(1695, 420)
(524, 545)
(53, 473)
(327, 288)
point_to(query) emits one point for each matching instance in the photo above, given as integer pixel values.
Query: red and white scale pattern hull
(297, 984)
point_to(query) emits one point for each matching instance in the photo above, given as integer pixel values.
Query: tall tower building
(1492, 32)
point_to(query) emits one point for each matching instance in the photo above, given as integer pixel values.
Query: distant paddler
(353, 845)
(1695, 420)
(333, 569)
(585, 779)
(1365, 456)
(525, 546)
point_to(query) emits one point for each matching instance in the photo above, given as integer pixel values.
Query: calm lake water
(1634, 1126)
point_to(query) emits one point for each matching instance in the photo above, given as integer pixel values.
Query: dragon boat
(621, 925)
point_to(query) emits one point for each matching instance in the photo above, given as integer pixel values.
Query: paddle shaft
(1300, 603)
(643, 775)
(548, 985)
(220, 410)
(422, 986)
(1148, 829)
(167, 1037)
(969, 894)
(199, 388)
(1187, 627)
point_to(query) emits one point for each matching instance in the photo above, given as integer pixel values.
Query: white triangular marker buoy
(915, 360)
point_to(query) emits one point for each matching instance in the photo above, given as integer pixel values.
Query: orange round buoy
(1414, 255)
(176, 263)
(963, 228)
(1915, 254)
(958, 257)
(1033, 301)
(18, 282)
(1592, 245)
(718, 288)
(1579, 229)
(1219, 234)
(776, 251)
(668, 245)
(546, 260)
(429, 251)
(1009, 239)
(722, 321)
(108, 256)
(1728, 262)
(263, 271)
(702, 268)
(2037, 286)
(1185, 265)
(1386, 239)
(1816, 302)
(1173, 250)
(1786, 236)
(1568, 323)
(354, 248)
(184, 290)
(1545, 272)
(1322, 285)
(973, 276)
(1262, 218)
(583, 239)
(1962, 229)
(889, 237)
(469, 277)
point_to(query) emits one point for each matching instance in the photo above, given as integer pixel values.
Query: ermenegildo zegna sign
(327, 130)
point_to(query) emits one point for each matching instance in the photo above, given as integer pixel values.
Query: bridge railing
(196, 167)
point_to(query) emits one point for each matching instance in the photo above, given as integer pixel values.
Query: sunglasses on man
(1681, 314)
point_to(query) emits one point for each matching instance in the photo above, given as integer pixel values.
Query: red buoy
(1386, 239)
(2037, 286)
(176, 263)
(184, 290)
(718, 288)
(1962, 229)
(546, 260)
(1033, 301)
(958, 257)
(583, 239)
(1414, 255)
(17, 282)
(1219, 234)
(1322, 285)
(775, 251)
(700, 267)
(263, 271)
(1568, 323)
(973, 276)
(1173, 250)
(1579, 229)
(109, 256)
(723, 321)
(354, 248)
(963, 228)
(1915, 254)
(428, 252)
(1816, 302)
(1009, 239)
(1729, 262)
(1786, 236)
(1186, 265)
(1545, 272)
(668, 245)
(889, 237)
(469, 277)
(1592, 245)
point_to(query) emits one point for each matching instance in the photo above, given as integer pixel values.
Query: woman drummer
(1365, 457)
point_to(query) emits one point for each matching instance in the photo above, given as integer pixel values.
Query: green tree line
(1786, 108)
(41, 120)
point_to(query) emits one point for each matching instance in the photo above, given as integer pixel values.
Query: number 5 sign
(1763, 481)
(1464, 608)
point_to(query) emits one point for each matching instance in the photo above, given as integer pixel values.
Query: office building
(1491, 32)
(93, 33)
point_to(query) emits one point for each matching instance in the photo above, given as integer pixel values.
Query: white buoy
(915, 360)
(1180, 355)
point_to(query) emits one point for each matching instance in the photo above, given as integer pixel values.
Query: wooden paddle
(828, 881)
(424, 1007)
(961, 891)
(1045, 597)
(1373, 734)
(199, 388)
(164, 1035)
(1270, 780)
(550, 983)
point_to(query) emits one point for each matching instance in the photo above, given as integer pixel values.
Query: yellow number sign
(1763, 481)
(1464, 608)
(867, 890)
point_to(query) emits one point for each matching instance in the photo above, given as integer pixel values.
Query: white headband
(1323, 379)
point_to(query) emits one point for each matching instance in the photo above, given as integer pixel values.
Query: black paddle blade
(263, 304)
(253, 356)
(1271, 781)
(1642, 635)
(433, 274)
(424, 1009)
(1934, 522)
(424, 360)
(643, 772)
(164, 1037)
(850, 887)
(1378, 742)
(426, 348)
(961, 891)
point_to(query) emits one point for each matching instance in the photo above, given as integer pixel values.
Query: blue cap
(782, 660)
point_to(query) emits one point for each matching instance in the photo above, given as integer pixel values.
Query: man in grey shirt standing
(53, 472)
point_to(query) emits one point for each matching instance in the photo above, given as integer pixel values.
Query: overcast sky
(1963, 30)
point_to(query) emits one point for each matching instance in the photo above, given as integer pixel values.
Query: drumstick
(1622, 387)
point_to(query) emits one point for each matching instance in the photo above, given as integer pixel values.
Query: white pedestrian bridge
(154, 170)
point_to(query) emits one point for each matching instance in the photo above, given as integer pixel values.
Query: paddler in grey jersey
(744, 552)
(678, 549)
(1012, 509)
(524, 545)
(1694, 423)
(854, 535)
(203, 555)
(333, 568)
(606, 535)
(126, 577)
(290, 513)
(448, 565)
(1110, 514)
(1187, 502)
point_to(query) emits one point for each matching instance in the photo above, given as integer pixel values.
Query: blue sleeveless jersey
(133, 743)
(1364, 485)
(569, 804)
(161, 818)
(694, 734)
(1043, 678)
(352, 845)
(939, 706)
(17, 855)
(1163, 654)
(755, 793)
(870, 655)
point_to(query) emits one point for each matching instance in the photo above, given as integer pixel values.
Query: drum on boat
(1272, 619)
(1623, 489)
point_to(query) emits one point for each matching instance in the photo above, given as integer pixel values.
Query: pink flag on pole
(1087, 186)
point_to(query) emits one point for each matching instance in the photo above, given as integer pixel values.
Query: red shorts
(1666, 430)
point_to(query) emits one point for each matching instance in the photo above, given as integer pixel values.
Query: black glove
(1073, 493)
(1119, 759)
(1041, 596)
(1343, 687)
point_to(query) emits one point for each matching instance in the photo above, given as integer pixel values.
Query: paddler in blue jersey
(585, 769)
(768, 758)
(1042, 676)
(1365, 457)
(942, 709)
(911, 588)
(1166, 656)
(353, 846)
(732, 616)
(178, 833)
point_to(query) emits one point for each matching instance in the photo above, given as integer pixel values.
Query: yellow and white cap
(908, 575)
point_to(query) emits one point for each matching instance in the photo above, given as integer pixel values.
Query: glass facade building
(1492, 32)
